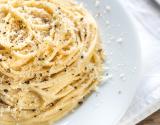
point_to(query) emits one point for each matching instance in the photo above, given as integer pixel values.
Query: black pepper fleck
(40, 74)
(81, 19)
(45, 20)
(45, 79)
(85, 35)
(12, 107)
(60, 109)
(82, 57)
(100, 50)
(32, 38)
(33, 110)
(55, 26)
(51, 104)
(78, 74)
(5, 90)
(85, 68)
(26, 82)
(80, 103)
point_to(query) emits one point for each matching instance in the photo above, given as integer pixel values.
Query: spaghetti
(50, 59)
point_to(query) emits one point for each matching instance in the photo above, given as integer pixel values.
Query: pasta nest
(50, 59)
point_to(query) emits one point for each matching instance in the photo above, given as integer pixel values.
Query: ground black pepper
(80, 103)
(100, 50)
(85, 35)
(81, 19)
(33, 110)
(82, 56)
(85, 68)
(5, 90)
(40, 74)
(60, 109)
(52, 104)
(26, 82)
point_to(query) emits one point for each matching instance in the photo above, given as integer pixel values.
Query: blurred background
(147, 12)
(146, 16)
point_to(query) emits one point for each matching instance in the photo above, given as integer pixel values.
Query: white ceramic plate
(109, 104)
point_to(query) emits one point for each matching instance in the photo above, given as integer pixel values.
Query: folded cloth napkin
(158, 1)
(146, 16)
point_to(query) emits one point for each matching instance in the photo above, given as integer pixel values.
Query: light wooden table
(152, 120)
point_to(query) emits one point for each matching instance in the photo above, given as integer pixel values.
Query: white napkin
(158, 1)
(146, 15)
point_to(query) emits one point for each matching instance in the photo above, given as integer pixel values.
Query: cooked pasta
(50, 59)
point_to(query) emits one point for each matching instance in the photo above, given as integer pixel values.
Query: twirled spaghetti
(50, 59)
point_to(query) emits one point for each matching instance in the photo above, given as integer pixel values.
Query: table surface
(152, 120)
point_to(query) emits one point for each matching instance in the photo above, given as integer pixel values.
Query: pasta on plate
(50, 59)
